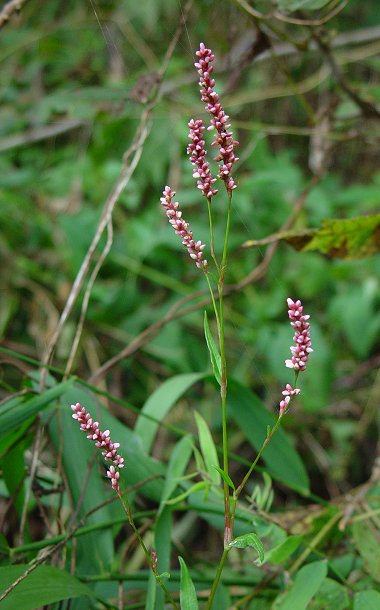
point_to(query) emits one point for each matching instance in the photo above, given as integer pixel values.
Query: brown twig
(367, 108)
(11, 7)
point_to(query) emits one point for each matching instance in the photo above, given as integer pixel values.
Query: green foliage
(44, 585)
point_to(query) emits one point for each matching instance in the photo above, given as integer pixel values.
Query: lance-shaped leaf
(349, 238)
(188, 596)
(213, 351)
(208, 448)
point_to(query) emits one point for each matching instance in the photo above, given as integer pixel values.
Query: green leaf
(282, 551)
(208, 448)
(348, 238)
(179, 459)
(367, 600)
(213, 351)
(45, 585)
(249, 540)
(282, 461)
(188, 596)
(195, 487)
(368, 547)
(159, 404)
(330, 595)
(225, 477)
(306, 584)
(17, 410)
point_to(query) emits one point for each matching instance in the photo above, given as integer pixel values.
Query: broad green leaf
(159, 404)
(367, 600)
(188, 595)
(179, 459)
(330, 595)
(213, 351)
(282, 461)
(368, 546)
(45, 585)
(208, 448)
(282, 551)
(225, 477)
(348, 238)
(249, 540)
(17, 410)
(306, 584)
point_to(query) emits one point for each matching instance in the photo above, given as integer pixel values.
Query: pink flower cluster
(302, 348)
(288, 393)
(219, 121)
(102, 441)
(197, 152)
(300, 351)
(194, 248)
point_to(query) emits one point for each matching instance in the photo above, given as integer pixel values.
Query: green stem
(212, 242)
(217, 578)
(128, 511)
(223, 386)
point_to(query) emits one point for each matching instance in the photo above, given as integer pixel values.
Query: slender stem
(212, 241)
(128, 511)
(223, 386)
(213, 302)
(217, 578)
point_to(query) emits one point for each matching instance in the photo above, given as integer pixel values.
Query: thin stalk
(212, 241)
(217, 578)
(128, 512)
(223, 385)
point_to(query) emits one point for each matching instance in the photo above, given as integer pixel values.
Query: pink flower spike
(302, 348)
(181, 228)
(219, 119)
(196, 150)
(101, 439)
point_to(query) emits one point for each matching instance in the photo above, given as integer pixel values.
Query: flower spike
(181, 228)
(219, 119)
(102, 441)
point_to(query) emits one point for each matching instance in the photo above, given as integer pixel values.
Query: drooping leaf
(306, 584)
(281, 459)
(188, 595)
(249, 540)
(45, 585)
(196, 487)
(213, 351)
(159, 404)
(208, 448)
(348, 238)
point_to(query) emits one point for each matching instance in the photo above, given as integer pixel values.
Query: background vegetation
(93, 124)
